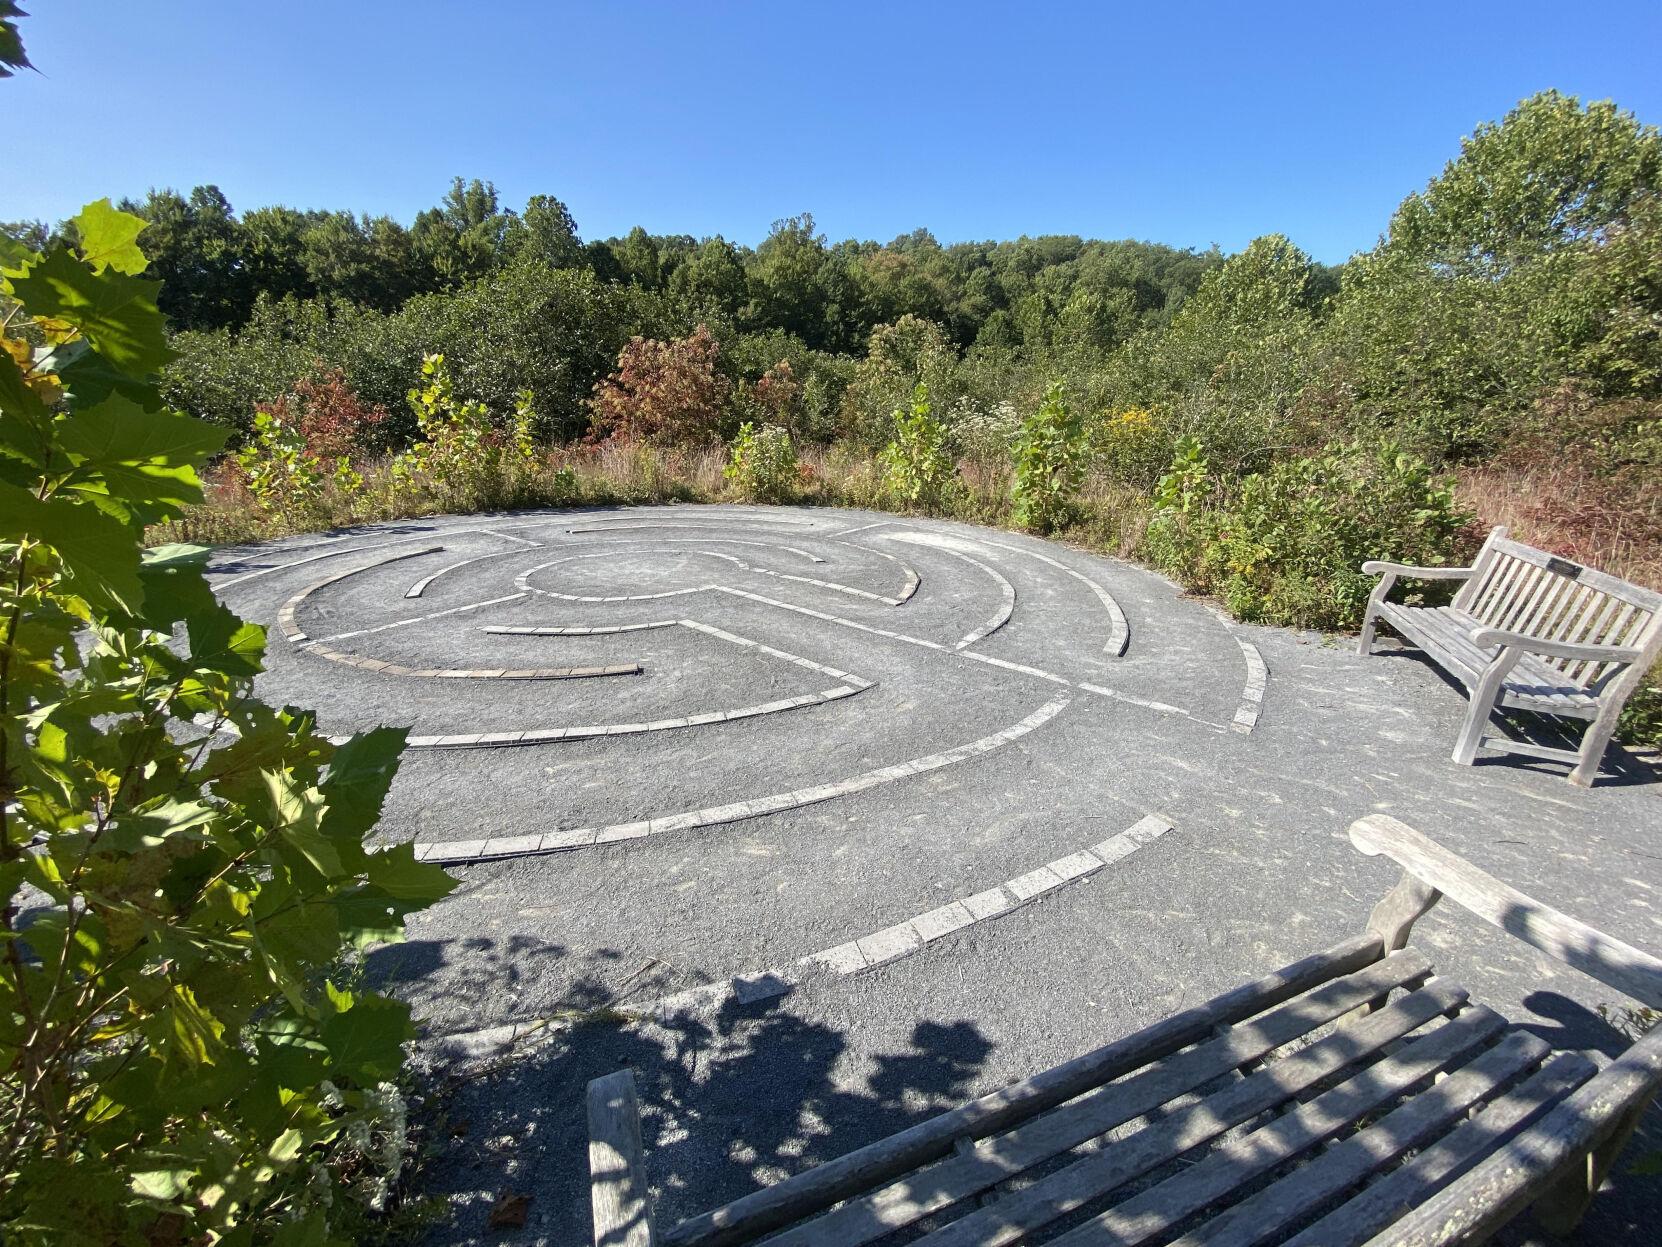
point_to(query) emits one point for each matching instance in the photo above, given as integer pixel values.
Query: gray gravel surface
(1256, 873)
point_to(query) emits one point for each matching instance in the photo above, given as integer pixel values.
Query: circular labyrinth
(579, 679)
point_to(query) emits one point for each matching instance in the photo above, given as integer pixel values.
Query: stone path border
(1252, 693)
(420, 586)
(1119, 630)
(379, 545)
(853, 957)
(458, 852)
(693, 541)
(285, 613)
(851, 684)
(523, 582)
(987, 659)
(415, 619)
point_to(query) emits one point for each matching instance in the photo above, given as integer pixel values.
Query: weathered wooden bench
(1353, 1097)
(1530, 631)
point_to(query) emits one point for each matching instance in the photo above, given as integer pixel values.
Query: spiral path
(533, 601)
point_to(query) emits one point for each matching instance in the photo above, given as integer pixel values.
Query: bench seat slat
(1445, 634)
(1124, 1160)
(959, 1177)
(806, 1193)
(1425, 1118)
(1383, 1202)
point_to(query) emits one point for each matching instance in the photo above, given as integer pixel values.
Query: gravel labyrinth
(860, 814)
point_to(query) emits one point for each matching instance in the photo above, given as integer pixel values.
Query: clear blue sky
(1182, 123)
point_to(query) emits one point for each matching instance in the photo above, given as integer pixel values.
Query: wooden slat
(806, 1193)
(1425, 1117)
(1507, 1180)
(1480, 568)
(617, 1176)
(1504, 572)
(1593, 578)
(994, 1160)
(1095, 1176)
(1209, 1184)
(1571, 941)
(1523, 585)
(1384, 1202)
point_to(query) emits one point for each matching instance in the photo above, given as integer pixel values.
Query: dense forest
(1256, 424)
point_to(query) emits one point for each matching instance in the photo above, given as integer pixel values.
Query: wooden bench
(1353, 1097)
(1530, 631)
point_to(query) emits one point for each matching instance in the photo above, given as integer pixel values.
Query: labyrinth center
(579, 679)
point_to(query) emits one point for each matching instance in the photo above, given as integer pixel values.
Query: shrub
(1287, 545)
(1048, 464)
(1130, 446)
(178, 1062)
(918, 472)
(462, 459)
(762, 463)
(661, 392)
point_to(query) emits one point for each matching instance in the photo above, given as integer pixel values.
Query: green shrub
(179, 1062)
(1049, 465)
(762, 463)
(918, 472)
(1286, 546)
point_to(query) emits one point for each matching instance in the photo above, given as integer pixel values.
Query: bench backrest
(1522, 589)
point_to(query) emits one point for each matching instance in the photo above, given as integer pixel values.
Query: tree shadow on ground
(731, 1103)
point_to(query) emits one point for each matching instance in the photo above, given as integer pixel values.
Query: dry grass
(1613, 523)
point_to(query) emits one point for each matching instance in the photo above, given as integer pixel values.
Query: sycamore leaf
(366, 1041)
(12, 55)
(109, 239)
(144, 460)
(114, 311)
(359, 775)
(98, 551)
(396, 872)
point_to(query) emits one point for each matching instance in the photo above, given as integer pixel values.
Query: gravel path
(892, 812)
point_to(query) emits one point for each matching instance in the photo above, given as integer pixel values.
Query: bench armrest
(1610, 961)
(1379, 567)
(1487, 638)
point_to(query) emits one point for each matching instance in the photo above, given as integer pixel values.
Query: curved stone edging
(420, 586)
(1119, 629)
(285, 613)
(879, 948)
(461, 851)
(1252, 692)
(550, 735)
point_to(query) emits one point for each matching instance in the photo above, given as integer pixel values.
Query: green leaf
(12, 56)
(144, 461)
(109, 239)
(360, 774)
(366, 1041)
(396, 872)
(99, 553)
(116, 312)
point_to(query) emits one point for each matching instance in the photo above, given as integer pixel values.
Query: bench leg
(1561, 1207)
(1485, 701)
(1370, 619)
(1471, 732)
(1591, 753)
(1364, 643)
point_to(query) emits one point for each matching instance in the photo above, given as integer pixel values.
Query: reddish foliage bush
(661, 391)
(333, 419)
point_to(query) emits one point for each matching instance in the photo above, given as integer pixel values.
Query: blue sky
(1182, 123)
